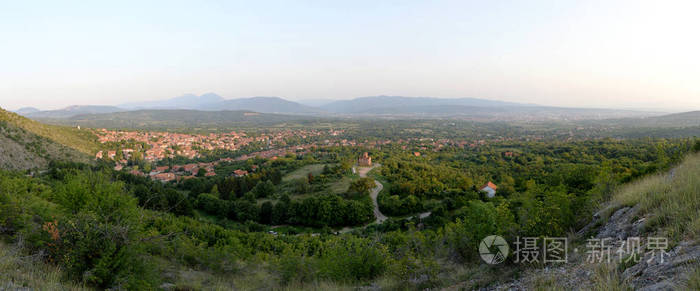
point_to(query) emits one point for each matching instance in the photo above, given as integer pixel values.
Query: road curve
(375, 192)
(362, 171)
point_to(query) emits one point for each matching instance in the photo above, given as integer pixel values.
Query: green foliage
(100, 253)
(476, 221)
(395, 205)
(416, 272)
(264, 189)
(360, 187)
(350, 258)
(82, 140)
(330, 210)
(93, 232)
(101, 226)
(212, 204)
(344, 259)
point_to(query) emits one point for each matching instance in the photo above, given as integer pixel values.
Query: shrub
(478, 220)
(350, 258)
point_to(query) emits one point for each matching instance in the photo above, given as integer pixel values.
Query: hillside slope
(82, 140)
(22, 150)
(21, 272)
(663, 206)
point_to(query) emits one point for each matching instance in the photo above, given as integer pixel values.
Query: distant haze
(614, 54)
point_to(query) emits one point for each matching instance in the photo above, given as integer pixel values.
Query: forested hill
(26, 144)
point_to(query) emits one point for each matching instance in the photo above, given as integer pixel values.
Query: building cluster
(155, 146)
(152, 147)
(161, 145)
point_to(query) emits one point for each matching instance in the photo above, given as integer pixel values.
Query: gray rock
(655, 275)
(167, 286)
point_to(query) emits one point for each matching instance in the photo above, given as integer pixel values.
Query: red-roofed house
(164, 177)
(490, 189)
(240, 173)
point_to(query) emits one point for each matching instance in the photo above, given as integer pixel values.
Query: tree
(178, 203)
(264, 189)
(279, 213)
(360, 187)
(212, 205)
(266, 210)
(215, 191)
(247, 211)
(478, 220)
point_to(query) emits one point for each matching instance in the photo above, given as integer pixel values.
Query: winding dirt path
(362, 171)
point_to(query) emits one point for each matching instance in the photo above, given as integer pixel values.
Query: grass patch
(340, 186)
(607, 278)
(302, 172)
(18, 272)
(546, 282)
(84, 140)
(671, 202)
(693, 282)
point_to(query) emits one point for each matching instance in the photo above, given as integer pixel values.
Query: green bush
(100, 254)
(350, 258)
(477, 220)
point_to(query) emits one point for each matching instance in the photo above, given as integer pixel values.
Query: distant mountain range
(684, 119)
(187, 101)
(393, 104)
(72, 111)
(378, 106)
(262, 104)
(181, 119)
(26, 110)
(213, 102)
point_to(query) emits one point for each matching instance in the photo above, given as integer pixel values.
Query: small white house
(490, 189)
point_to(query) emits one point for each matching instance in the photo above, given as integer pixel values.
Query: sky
(614, 54)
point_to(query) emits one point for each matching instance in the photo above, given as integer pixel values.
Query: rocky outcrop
(653, 274)
(617, 223)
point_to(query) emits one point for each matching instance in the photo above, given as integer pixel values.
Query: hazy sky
(627, 54)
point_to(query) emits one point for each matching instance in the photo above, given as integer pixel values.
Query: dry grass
(672, 203)
(607, 278)
(693, 282)
(18, 271)
(547, 282)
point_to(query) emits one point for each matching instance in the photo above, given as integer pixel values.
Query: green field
(302, 172)
(340, 186)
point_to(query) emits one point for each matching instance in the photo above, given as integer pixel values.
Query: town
(140, 151)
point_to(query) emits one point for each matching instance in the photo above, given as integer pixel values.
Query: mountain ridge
(26, 144)
(178, 118)
(74, 110)
(383, 105)
(384, 101)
